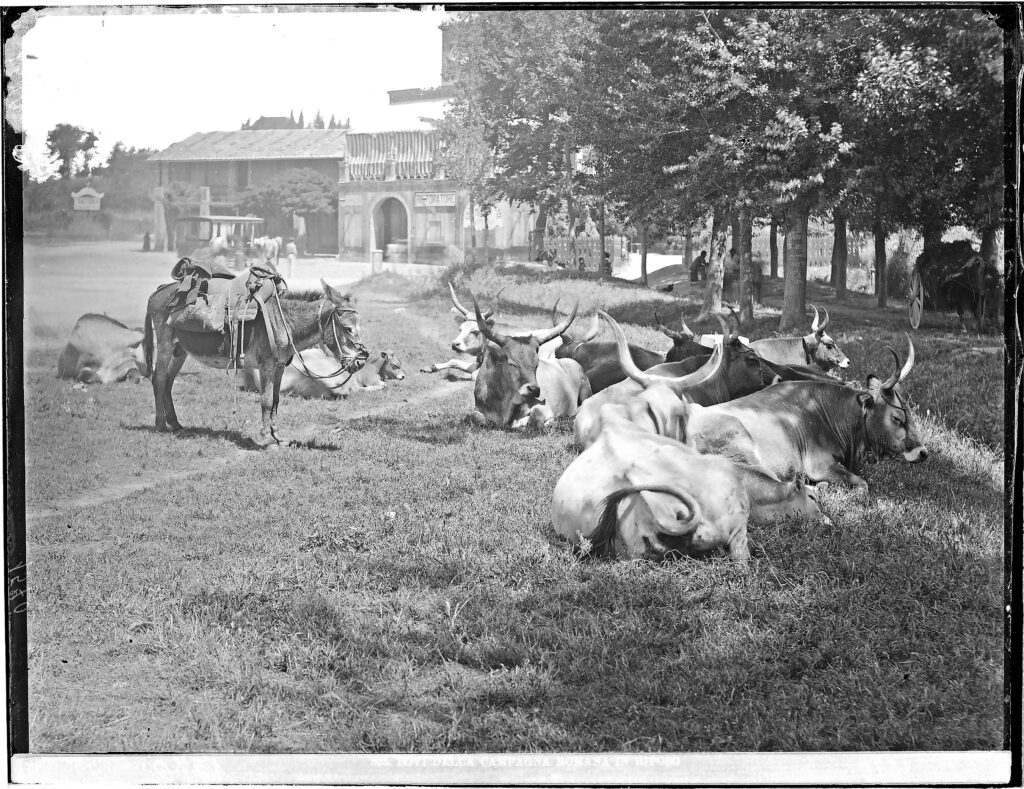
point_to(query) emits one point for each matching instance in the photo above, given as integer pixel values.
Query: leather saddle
(210, 296)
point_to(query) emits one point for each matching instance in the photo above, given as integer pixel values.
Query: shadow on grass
(240, 440)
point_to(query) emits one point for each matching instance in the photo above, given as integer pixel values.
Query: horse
(326, 319)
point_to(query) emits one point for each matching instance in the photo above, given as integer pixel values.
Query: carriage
(198, 236)
(952, 276)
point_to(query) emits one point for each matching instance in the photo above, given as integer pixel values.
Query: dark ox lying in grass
(816, 348)
(824, 431)
(600, 361)
(638, 491)
(102, 350)
(742, 372)
(516, 388)
(330, 381)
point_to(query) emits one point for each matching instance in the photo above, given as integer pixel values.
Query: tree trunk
(571, 206)
(472, 226)
(487, 241)
(988, 245)
(785, 251)
(716, 253)
(735, 235)
(881, 283)
(606, 263)
(688, 251)
(540, 231)
(643, 255)
(840, 252)
(746, 280)
(794, 301)
(773, 241)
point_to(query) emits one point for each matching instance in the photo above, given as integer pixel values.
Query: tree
(522, 71)
(67, 142)
(298, 191)
(318, 121)
(332, 124)
(301, 122)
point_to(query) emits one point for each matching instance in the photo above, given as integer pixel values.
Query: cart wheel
(916, 298)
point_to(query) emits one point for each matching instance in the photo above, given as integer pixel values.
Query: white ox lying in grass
(330, 381)
(637, 491)
(102, 350)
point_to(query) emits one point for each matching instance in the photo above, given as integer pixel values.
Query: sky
(148, 79)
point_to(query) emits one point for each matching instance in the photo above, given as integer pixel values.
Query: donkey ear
(336, 298)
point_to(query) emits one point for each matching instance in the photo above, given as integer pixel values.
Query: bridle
(361, 354)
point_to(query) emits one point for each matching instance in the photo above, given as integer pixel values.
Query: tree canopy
(890, 116)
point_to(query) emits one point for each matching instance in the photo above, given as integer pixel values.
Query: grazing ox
(741, 372)
(820, 430)
(516, 388)
(816, 348)
(633, 493)
(314, 374)
(599, 360)
(102, 350)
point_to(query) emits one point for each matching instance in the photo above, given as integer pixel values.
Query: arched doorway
(391, 228)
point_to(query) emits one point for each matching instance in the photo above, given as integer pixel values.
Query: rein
(337, 341)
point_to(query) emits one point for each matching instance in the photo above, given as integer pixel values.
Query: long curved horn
(677, 385)
(814, 323)
(465, 312)
(670, 333)
(456, 302)
(592, 332)
(488, 332)
(734, 322)
(543, 335)
(727, 334)
(690, 333)
(822, 326)
(899, 374)
(554, 311)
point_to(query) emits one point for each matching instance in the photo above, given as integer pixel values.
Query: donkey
(323, 319)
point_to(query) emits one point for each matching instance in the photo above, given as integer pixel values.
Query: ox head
(469, 340)
(821, 348)
(684, 343)
(390, 368)
(888, 423)
(745, 371)
(340, 334)
(571, 344)
(506, 385)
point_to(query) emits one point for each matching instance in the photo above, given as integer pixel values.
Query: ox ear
(459, 317)
(383, 354)
(867, 400)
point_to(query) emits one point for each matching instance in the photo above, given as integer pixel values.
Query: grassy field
(391, 582)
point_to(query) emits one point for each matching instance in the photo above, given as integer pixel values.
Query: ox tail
(602, 539)
(147, 344)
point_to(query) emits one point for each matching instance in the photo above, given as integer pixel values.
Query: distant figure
(145, 243)
(667, 288)
(582, 263)
(292, 252)
(756, 275)
(699, 268)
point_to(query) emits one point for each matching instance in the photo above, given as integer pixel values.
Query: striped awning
(412, 151)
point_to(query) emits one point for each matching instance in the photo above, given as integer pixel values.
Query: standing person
(699, 267)
(292, 252)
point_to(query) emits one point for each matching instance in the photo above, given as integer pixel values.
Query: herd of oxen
(680, 452)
